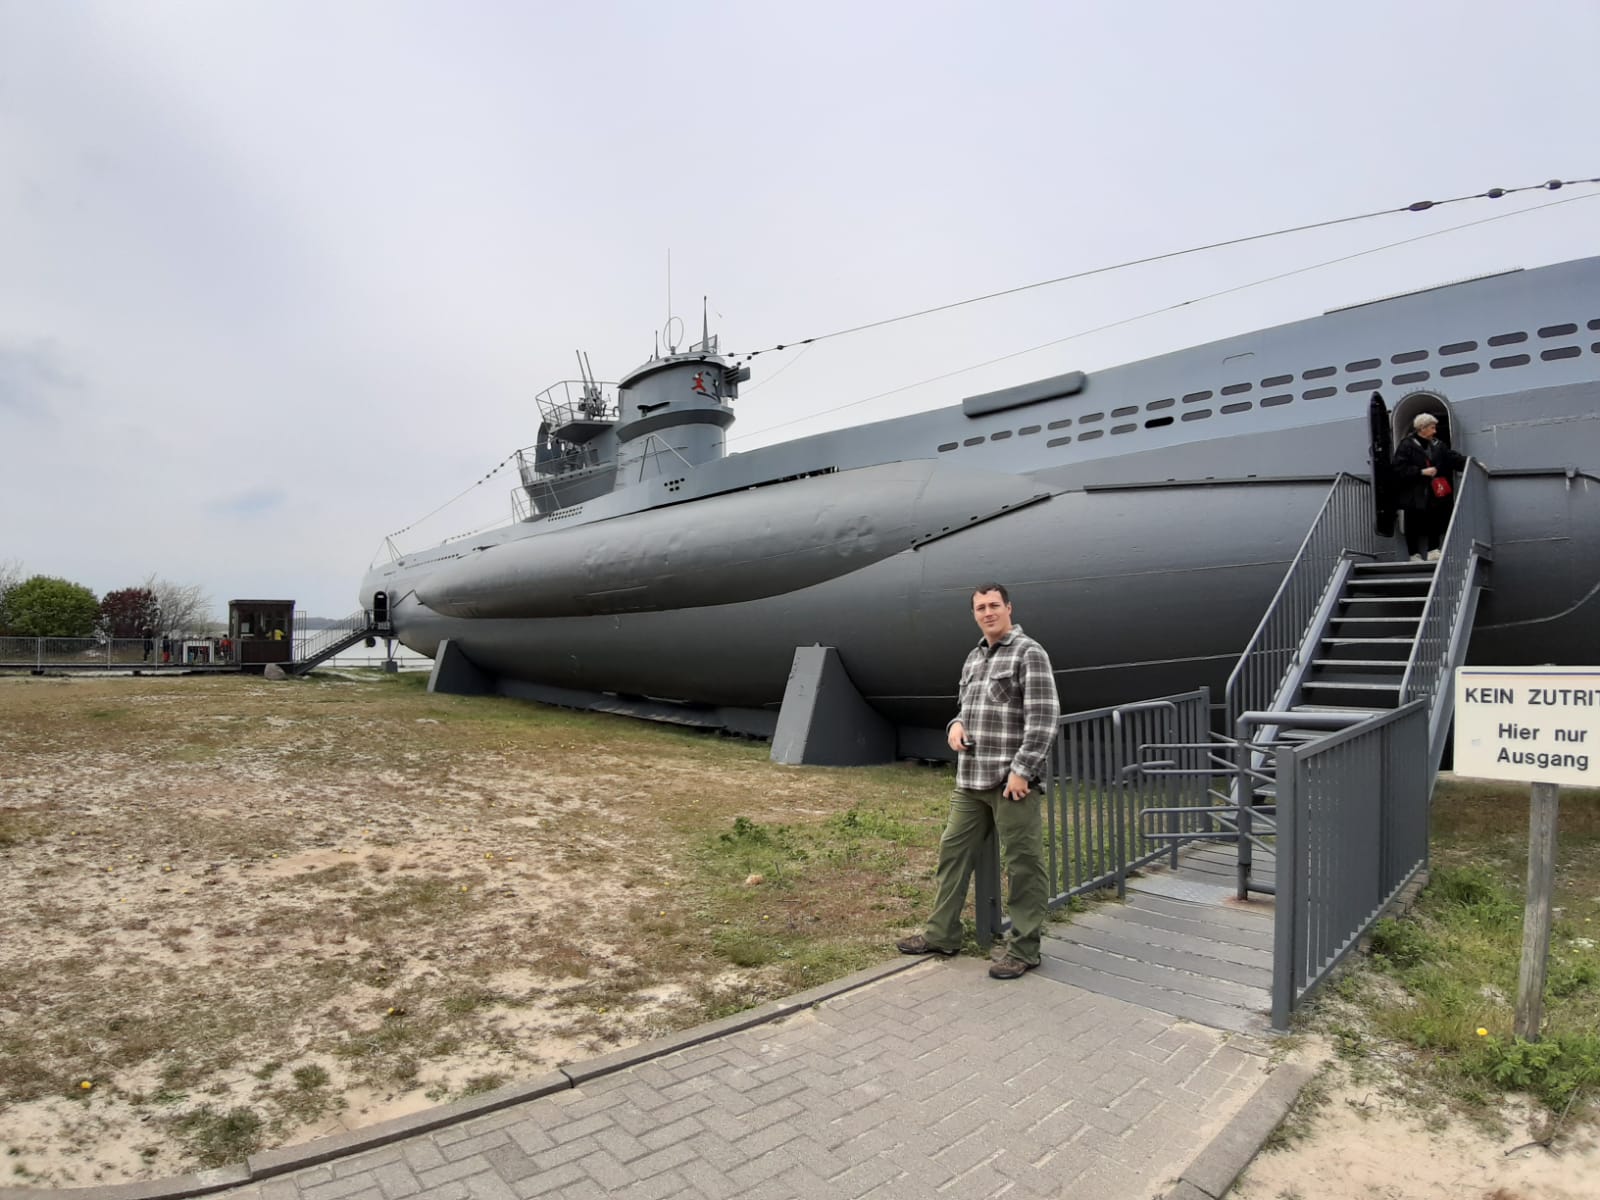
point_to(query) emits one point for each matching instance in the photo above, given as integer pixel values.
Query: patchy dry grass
(247, 913)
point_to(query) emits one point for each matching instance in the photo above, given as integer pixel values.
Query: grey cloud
(34, 377)
(252, 502)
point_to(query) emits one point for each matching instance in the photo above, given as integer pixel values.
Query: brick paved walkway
(934, 1082)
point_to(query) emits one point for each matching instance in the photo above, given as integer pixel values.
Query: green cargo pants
(972, 815)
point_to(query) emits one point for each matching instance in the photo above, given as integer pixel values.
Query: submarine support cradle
(824, 721)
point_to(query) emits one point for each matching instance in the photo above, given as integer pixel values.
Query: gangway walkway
(1178, 944)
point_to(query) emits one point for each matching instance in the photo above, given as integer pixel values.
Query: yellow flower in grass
(1482, 1032)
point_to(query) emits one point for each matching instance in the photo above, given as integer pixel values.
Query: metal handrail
(311, 645)
(1343, 525)
(1092, 835)
(1353, 831)
(1470, 530)
(576, 400)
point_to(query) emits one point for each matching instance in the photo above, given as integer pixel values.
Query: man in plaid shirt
(1002, 734)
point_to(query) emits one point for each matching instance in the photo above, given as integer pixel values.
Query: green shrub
(1400, 943)
(1552, 1070)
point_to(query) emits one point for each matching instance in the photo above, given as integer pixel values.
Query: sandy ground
(1364, 1144)
(309, 907)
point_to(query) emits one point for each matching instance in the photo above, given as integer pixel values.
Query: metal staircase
(1367, 642)
(1317, 789)
(1338, 714)
(357, 627)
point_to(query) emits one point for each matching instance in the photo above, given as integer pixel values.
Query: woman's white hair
(1423, 420)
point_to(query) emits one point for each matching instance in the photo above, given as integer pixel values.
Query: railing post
(1286, 911)
(1243, 794)
(1119, 805)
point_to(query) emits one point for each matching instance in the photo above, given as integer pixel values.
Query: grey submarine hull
(1142, 516)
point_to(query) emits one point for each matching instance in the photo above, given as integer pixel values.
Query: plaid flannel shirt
(1009, 709)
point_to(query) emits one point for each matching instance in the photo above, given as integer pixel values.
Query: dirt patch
(243, 914)
(1360, 1135)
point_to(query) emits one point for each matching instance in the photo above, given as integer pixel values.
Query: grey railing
(1094, 792)
(1352, 831)
(314, 646)
(52, 653)
(576, 400)
(1447, 616)
(1343, 526)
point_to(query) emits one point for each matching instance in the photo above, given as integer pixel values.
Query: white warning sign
(1529, 724)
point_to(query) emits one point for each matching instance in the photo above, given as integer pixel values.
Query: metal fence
(35, 653)
(1343, 526)
(1094, 792)
(1352, 831)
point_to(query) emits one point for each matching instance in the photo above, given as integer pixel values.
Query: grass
(1441, 982)
(221, 888)
(216, 1139)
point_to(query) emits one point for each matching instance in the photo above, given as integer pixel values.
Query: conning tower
(664, 418)
(673, 413)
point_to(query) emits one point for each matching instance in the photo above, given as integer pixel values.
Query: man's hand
(1430, 472)
(958, 736)
(1016, 787)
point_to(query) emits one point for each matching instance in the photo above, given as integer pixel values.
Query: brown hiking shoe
(1010, 968)
(917, 944)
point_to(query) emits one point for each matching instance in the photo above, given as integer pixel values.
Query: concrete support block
(824, 721)
(454, 674)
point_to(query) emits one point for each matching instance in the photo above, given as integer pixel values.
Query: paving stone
(422, 1154)
(658, 1187)
(707, 1181)
(546, 1183)
(488, 1186)
(450, 1172)
(934, 1082)
(396, 1179)
(510, 1162)
(471, 1146)
(339, 1189)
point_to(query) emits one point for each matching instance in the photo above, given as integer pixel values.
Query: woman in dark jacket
(1420, 458)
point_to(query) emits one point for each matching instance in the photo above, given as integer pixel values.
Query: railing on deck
(1441, 633)
(1352, 831)
(576, 400)
(1094, 793)
(1342, 526)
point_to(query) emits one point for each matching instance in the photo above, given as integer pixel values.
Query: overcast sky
(279, 278)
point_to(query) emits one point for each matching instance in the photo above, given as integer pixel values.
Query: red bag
(1441, 486)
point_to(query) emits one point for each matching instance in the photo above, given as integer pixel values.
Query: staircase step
(1396, 568)
(1397, 584)
(1346, 664)
(1406, 620)
(1337, 708)
(1368, 641)
(1383, 600)
(1356, 687)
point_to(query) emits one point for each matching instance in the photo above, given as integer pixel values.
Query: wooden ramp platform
(1180, 945)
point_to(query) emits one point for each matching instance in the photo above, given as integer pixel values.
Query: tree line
(48, 606)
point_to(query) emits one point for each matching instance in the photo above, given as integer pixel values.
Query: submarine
(1141, 515)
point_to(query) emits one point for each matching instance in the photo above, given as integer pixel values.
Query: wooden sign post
(1538, 725)
(1536, 912)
